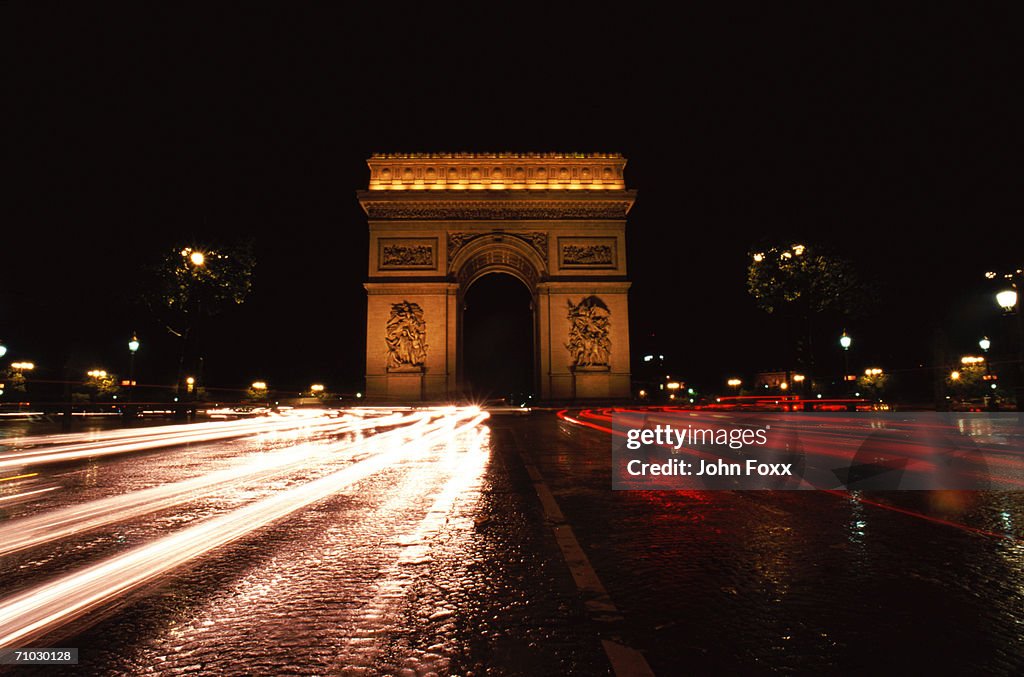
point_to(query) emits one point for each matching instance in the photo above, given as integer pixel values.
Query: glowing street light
(23, 366)
(197, 258)
(3, 350)
(133, 347)
(984, 344)
(97, 373)
(1007, 299)
(970, 359)
(784, 386)
(874, 371)
(954, 375)
(798, 378)
(317, 387)
(845, 341)
(259, 385)
(734, 383)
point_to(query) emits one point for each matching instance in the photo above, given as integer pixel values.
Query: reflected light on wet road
(118, 443)
(32, 613)
(28, 532)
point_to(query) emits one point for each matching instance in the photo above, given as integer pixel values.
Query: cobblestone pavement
(439, 564)
(446, 562)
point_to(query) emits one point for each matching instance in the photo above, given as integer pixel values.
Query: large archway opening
(498, 338)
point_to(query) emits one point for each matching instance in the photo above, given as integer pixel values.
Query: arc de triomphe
(441, 221)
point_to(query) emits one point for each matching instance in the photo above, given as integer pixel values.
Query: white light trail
(30, 614)
(50, 526)
(147, 441)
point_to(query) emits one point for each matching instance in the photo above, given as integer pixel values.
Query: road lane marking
(626, 661)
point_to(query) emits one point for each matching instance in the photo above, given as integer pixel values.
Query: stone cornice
(494, 205)
(496, 171)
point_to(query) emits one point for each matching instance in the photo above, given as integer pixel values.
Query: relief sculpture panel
(589, 342)
(407, 253)
(406, 337)
(587, 252)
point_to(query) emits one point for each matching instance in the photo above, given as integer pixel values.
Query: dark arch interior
(497, 335)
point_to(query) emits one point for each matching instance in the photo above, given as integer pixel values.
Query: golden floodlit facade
(441, 221)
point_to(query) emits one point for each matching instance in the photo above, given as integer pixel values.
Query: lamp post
(133, 347)
(845, 342)
(194, 261)
(1009, 300)
(985, 344)
(3, 349)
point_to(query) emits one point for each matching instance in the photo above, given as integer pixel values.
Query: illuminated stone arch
(441, 221)
(489, 254)
(497, 253)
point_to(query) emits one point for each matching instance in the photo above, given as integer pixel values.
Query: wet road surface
(412, 543)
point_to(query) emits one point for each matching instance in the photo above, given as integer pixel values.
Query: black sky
(888, 134)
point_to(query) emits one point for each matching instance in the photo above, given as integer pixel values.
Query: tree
(101, 386)
(13, 381)
(800, 279)
(873, 382)
(799, 282)
(967, 381)
(195, 282)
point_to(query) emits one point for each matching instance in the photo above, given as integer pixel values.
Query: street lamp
(133, 347)
(1007, 299)
(3, 349)
(23, 366)
(197, 258)
(984, 344)
(845, 342)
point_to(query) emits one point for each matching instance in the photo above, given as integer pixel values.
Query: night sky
(885, 135)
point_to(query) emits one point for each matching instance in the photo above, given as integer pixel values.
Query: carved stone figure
(589, 344)
(406, 336)
(587, 255)
(403, 255)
